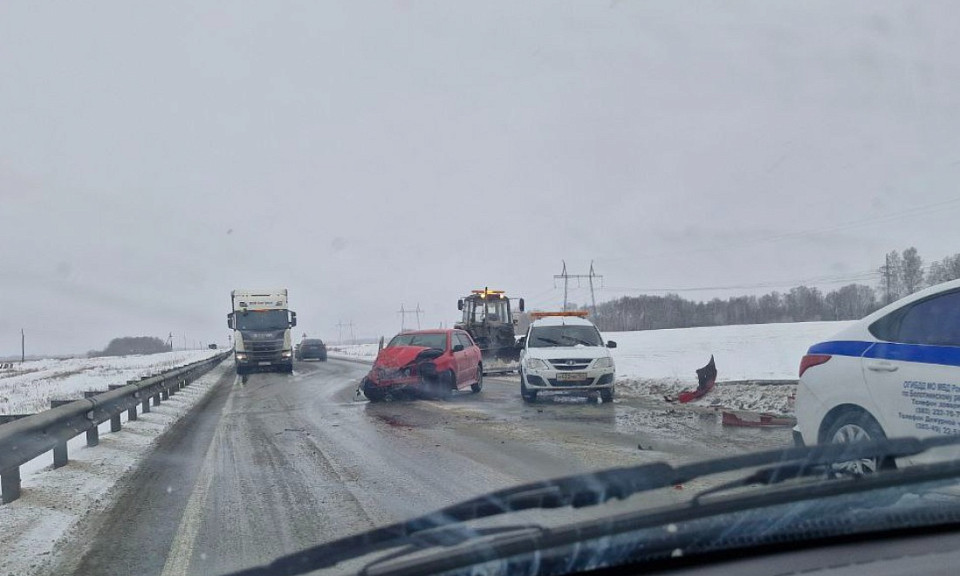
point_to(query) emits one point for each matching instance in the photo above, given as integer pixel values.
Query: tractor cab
(488, 318)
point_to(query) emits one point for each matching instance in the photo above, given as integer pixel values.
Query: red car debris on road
(429, 362)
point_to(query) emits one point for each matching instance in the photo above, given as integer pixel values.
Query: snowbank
(28, 388)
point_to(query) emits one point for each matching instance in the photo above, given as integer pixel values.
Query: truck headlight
(603, 363)
(535, 364)
(287, 353)
(241, 356)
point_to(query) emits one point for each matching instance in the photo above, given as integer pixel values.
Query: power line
(831, 279)
(910, 212)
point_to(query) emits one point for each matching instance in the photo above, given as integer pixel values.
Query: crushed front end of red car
(400, 369)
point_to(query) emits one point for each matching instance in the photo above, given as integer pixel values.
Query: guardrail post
(10, 484)
(132, 411)
(60, 450)
(93, 433)
(115, 423)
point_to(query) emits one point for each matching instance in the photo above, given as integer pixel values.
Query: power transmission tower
(403, 316)
(341, 325)
(578, 277)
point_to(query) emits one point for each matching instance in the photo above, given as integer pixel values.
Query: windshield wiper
(549, 341)
(591, 489)
(579, 341)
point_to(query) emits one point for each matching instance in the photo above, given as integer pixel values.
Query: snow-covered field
(356, 351)
(29, 388)
(750, 360)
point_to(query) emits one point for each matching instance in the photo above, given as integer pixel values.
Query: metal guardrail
(26, 438)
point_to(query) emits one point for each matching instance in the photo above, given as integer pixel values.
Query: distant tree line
(129, 345)
(900, 275)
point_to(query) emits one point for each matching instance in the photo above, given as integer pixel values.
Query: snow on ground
(355, 351)
(750, 360)
(56, 504)
(756, 364)
(28, 388)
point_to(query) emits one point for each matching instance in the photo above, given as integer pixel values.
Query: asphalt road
(282, 462)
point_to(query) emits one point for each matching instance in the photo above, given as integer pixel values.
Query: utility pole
(886, 275)
(23, 347)
(593, 299)
(566, 282)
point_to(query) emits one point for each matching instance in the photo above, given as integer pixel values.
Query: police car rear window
(934, 321)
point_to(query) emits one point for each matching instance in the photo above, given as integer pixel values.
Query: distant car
(895, 373)
(565, 353)
(433, 362)
(312, 348)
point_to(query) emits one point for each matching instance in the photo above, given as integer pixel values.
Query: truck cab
(261, 323)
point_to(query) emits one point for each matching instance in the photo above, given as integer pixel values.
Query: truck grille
(571, 363)
(264, 349)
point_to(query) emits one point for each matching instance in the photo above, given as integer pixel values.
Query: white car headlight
(535, 364)
(603, 363)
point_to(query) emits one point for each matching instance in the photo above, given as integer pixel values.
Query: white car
(895, 373)
(565, 353)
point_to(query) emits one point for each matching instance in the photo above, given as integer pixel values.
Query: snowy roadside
(756, 364)
(56, 504)
(28, 389)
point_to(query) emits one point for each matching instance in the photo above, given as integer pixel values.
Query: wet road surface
(277, 463)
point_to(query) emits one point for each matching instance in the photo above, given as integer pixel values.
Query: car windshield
(552, 336)
(262, 320)
(438, 341)
(438, 286)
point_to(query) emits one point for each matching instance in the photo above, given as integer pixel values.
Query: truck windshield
(262, 320)
(547, 336)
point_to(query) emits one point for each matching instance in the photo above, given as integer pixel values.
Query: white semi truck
(261, 323)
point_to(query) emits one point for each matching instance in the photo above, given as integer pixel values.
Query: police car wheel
(855, 426)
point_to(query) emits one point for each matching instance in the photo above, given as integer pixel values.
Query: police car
(895, 373)
(563, 352)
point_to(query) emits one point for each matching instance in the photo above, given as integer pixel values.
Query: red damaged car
(430, 362)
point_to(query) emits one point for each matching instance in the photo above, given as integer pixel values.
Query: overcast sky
(368, 155)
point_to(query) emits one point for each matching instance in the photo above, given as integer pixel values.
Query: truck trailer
(261, 323)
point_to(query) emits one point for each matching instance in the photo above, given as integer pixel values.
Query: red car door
(463, 359)
(471, 358)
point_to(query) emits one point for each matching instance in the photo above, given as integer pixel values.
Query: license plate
(265, 363)
(571, 376)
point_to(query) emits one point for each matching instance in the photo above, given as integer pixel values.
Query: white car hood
(559, 352)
